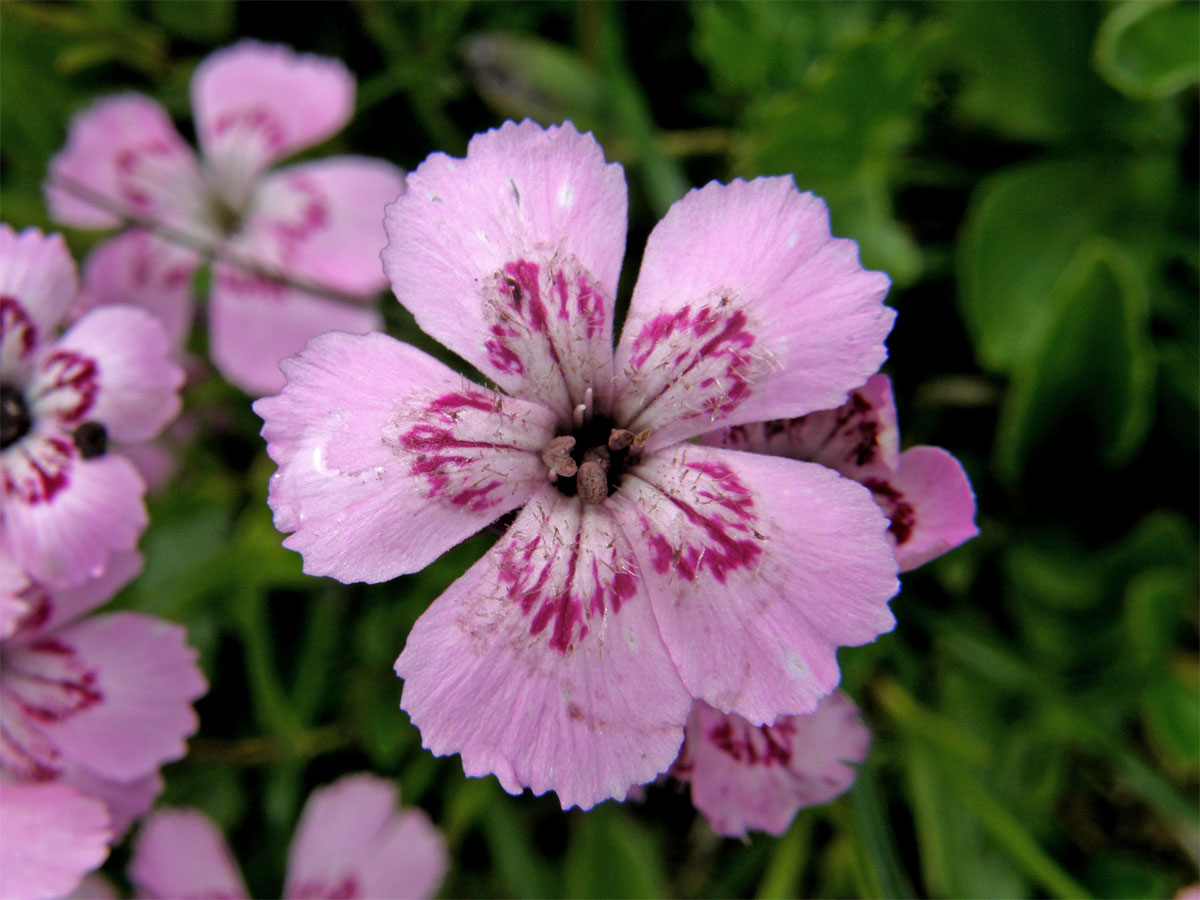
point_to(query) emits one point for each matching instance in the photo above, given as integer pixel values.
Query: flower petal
(50, 837)
(745, 777)
(180, 854)
(37, 284)
(324, 220)
(255, 103)
(746, 309)
(858, 439)
(63, 531)
(125, 149)
(254, 323)
(352, 841)
(127, 801)
(52, 608)
(554, 628)
(766, 564)
(146, 679)
(930, 503)
(387, 458)
(137, 390)
(136, 268)
(510, 258)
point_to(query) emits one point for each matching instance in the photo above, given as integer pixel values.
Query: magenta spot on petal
(730, 541)
(256, 119)
(72, 373)
(901, 513)
(311, 217)
(37, 470)
(522, 298)
(14, 321)
(766, 745)
(713, 341)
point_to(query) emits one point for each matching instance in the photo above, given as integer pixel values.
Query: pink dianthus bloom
(746, 777)
(50, 837)
(351, 842)
(68, 501)
(99, 702)
(320, 221)
(757, 778)
(643, 571)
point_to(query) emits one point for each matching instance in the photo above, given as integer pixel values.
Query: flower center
(15, 421)
(591, 461)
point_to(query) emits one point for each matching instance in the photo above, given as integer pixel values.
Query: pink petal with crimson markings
(137, 268)
(746, 309)
(255, 103)
(940, 512)
(61, 529)
(180, 855)
(353, 841)
(50, 837)
(255, 323)
(510, 258)
(766, 564)
(745, 777)
(325, 218)
(137, 383)
(387, 458)
(553, 626)
(126, 149)
(145, 679)
(37, 284)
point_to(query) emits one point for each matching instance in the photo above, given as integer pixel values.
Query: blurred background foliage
(1026, 173)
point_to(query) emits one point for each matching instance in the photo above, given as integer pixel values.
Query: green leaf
(843, 131)
(1147, 49)
(1091, 378)
(1026, 66)
(1156, 601)
(1171, 711)
(199, 20)
(611, 855)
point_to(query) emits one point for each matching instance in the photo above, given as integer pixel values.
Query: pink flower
(923, 491)
(100, 702)
(321, 220)
(68, 501)
(351, 842)
(642, 571)
(745, 777)
(758, 778)
(50, 837)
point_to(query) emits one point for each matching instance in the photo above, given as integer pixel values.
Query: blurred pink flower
(50, 837)
(644, 570)
(68, 501)
(320, 220)
(101, 701)
(351, 842)
(746, 777)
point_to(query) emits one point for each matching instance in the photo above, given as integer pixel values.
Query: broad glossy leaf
(1089, 382)
(1147, 49)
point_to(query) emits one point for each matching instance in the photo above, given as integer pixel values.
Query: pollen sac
(557, 456)
(620, 439)
(592, 481)
(91, 439)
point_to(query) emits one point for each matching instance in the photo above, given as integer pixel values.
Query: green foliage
(1025, 172)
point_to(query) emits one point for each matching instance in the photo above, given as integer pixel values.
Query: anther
(557, 456)
(620, 439)
(14, 416)
(592, 481)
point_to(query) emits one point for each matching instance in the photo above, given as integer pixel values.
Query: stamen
(91, 439)
(583, 412)
(620, 439)
(557, 457)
